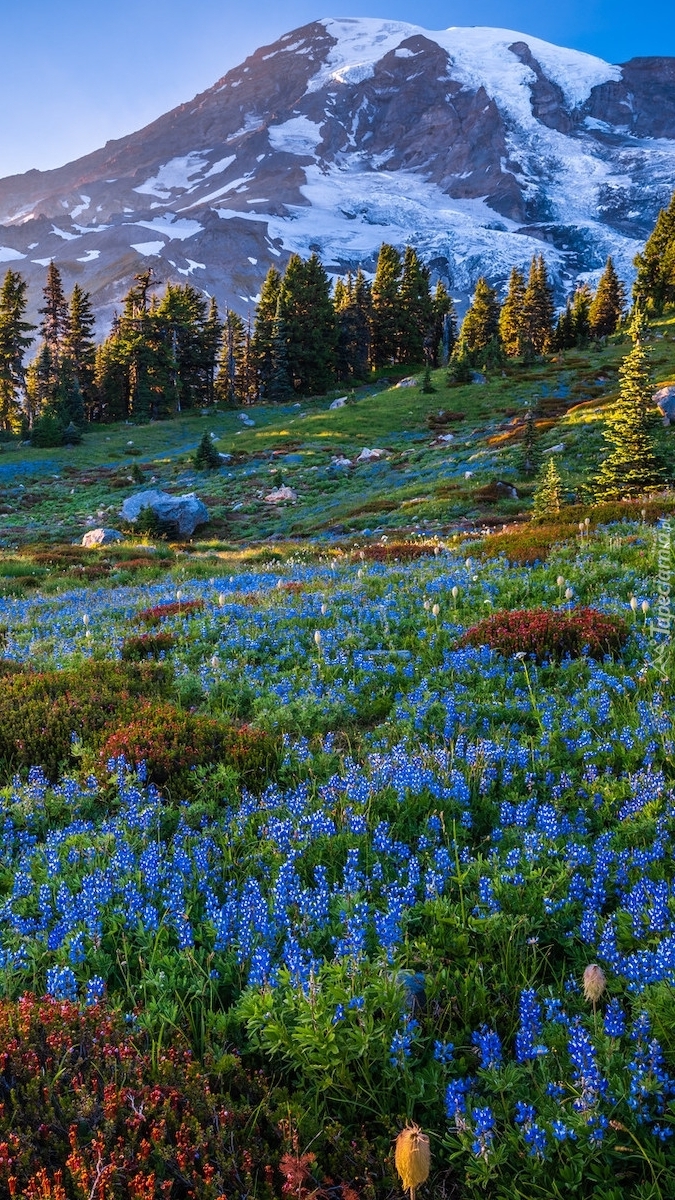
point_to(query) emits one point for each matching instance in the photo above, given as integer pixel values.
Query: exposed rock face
(101, 537)
(184, 512)
(481, 146)
(664, 400)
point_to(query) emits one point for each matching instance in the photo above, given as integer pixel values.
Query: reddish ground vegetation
(161, 612)
(549, 634)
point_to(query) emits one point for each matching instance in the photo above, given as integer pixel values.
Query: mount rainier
(478, 146)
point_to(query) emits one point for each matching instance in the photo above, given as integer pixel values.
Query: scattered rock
(445, 438)
(340, 461)
(409, 381)
(478, 377)
(370, 455)
(101, 537)
(224, 457)
(281, 494)
(339, 403)
(664, 400)
(468, 474)
(246, 419)
(185, 512)
(555, 449)
(498, 490)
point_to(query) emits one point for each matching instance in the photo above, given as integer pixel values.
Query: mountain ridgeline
(480, 147)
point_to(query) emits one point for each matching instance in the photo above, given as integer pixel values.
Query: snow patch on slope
(9, 255)
(298, 135)
(177, 173)
(172, 227)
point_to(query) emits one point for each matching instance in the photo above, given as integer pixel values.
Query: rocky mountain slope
(479, 146)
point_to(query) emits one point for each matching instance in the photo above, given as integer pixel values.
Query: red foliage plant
(168, 740)
(546, 633)
(393, 551)
(161, 612)
(148, 645)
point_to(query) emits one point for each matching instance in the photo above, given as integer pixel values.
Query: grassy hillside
(421, 485)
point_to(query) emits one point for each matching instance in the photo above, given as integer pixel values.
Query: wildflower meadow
(294, 855)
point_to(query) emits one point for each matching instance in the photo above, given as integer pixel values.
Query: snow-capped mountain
(478, 146)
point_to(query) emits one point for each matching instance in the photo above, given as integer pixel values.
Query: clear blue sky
(74, 74)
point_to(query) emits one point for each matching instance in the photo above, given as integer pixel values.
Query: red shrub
(168, 740)
(148, 645)
(390, 551)
(161, 612)
(548, 634)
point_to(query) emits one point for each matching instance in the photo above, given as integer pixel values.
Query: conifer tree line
(525, 325)
(175, 352)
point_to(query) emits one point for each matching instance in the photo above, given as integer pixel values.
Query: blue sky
(74, 74)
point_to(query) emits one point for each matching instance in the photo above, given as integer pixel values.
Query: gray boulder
(339, 403)
(664, 399)
(101, 537)
(185, 512)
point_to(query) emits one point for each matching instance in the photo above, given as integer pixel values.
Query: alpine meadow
(337, 638)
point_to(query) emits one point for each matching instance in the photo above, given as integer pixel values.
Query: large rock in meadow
(185, 512)
(664, 399)
(101, 537)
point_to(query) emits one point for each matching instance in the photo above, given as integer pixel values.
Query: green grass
(421, 486)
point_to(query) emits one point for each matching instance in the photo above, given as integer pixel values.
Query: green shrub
(147, 645)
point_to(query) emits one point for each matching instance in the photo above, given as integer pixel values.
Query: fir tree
(79, 347)
(14, 341)
(529, 457)
(581, 307)
(54, 325)
(444, 325)
(262, 342)
(111, 377)
(548, 495)
(633, 466)
(306, 311)
(460, 366)
(417, 322)
(538, 310)
(353, 311)
(481, 323)
(609, 303)
(565, 335)
(206, 457)
(39, 384)
(229, 386)
(387, 319)
(654, 287)
(212, 341)
(279, 386)
(511, 317)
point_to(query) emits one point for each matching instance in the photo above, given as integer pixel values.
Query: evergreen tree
(353, 310)
(387, 319)
(538, 310)
(212, 340)
(609, 303)
(581, 307)
(229, 382)
(548, 495)
(80, 349)
(529, 457)
(481, 323)
(417, 317)
(460, 366)
(308, 318)
(14, 341)
(111, 377)
(565, 334)
(263, 340)
(279, 386)
(654, 287)
(206, 457)
(444, 327)
(39, 384)
(54, 325)
(511, 317)
(633, 466)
